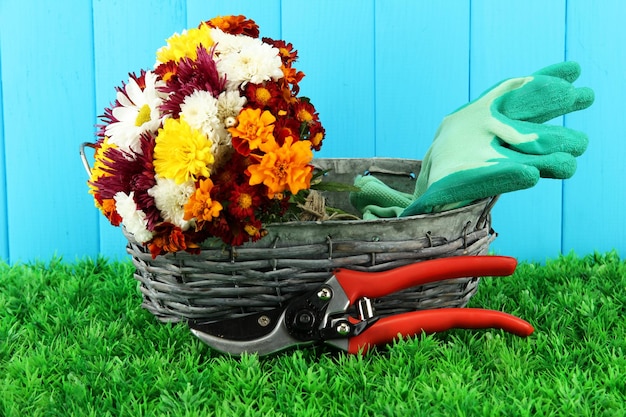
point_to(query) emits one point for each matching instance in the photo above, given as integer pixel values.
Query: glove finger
(568, 71)
(559, 165)
(542, 99)
(584, 98)
(368, 215)
(464, 187)
(577, 99)
(375, 192)
(375, 212)
(550, 139)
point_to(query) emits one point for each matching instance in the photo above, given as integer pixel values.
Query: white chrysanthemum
(138, 112)
(244, 59)
(225, 43)
(170, 198)
(200, 110)
(229, 105)
(134, 220)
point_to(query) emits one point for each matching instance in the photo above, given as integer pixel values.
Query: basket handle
(83, 157)
(483, 217)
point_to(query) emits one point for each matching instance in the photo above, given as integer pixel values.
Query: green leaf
(335, 187)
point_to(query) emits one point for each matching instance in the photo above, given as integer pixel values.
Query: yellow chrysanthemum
(285, 167)
(185, 45)
(182, 153)
(97, 170)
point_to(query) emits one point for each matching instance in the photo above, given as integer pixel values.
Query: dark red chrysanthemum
(198, 74)
(131, 172)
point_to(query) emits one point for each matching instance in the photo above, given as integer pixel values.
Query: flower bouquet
(214, 141)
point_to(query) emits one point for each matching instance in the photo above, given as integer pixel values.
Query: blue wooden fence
(382, 74)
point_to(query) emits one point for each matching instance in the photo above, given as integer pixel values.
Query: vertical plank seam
(563, 186)
(375, 73)
(185, 12)
(3, 186)
(469, 53)
(95, 112)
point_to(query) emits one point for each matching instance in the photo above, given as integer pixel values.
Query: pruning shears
(340, 313)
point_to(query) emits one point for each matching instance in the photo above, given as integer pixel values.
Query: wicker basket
(225, 282)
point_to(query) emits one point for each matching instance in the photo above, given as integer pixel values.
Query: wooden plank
(510, 39)
(595, 217)
(335, 41)
(422, 71)
(123, 43)
(4, 234)
(47, 78)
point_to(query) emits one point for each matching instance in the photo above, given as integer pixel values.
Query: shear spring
(366, 311)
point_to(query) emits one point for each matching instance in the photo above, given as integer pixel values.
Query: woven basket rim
(384, 220)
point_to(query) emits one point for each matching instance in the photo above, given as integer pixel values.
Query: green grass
(75, 342)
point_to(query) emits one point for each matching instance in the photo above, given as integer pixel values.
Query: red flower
(254, 230)
(167, 71)
(287, 53)
(286, 127)
(305, 112)
(244, 199)
(264, 96)
(316, 135)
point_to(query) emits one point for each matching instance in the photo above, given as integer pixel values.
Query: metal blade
(251, 326)
(261, 333)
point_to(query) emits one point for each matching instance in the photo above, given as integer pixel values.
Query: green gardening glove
(493, 145)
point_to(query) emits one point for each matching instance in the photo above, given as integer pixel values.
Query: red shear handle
(358, 284)
(389, 328)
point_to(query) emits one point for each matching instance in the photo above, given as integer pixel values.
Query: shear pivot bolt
(343, 329)
(304, 320)
(324, 294)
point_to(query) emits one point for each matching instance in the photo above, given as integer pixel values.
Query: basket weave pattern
(295, 257)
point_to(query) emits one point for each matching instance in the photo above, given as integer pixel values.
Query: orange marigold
(108, 208)
(292, 76)
(284, 167)
(253, 129)
(235, 25)
(169, 238)
(200, 204)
